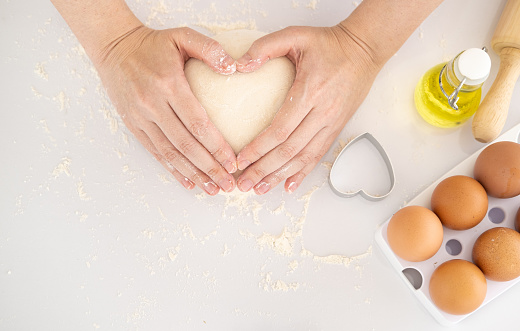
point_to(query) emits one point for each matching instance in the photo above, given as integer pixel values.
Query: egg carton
(455, 244)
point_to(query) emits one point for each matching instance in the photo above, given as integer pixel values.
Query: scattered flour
(282, 244)
(62, 167)
(173, 252)
(268, 284)
(340, 259)
(81, 191)
(216, 27)
(312, 5)
(288, 244)
(39, 69)
(61, 99)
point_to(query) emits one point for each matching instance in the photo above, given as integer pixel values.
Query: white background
(94, 234)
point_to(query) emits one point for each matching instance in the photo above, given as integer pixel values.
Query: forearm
(97, 24)
(382, 26)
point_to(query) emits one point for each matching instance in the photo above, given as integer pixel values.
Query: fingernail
(231, 167)
(211, 188)
(292, 187)
(226, 185)
(228, 65)
(245, 60)
(188, 184)
(245, 185)
(262, 188)
(243, 164)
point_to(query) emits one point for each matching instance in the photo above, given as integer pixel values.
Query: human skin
(335, 68)
(143, 72)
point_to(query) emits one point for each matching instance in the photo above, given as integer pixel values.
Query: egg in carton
(457, 244)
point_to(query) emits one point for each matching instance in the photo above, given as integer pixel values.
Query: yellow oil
(433, 105)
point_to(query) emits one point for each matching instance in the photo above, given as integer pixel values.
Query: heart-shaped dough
(241, 105)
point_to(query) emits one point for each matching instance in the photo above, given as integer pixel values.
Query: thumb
(273, 45)
(196, 45)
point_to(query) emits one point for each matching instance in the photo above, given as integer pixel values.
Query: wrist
(383, 26)
(98, 24)
(358, 52)
(361, 36)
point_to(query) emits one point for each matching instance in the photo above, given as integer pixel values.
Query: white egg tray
(501, 212)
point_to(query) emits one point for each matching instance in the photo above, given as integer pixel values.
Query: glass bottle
(449, 93)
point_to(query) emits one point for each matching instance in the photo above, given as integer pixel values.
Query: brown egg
(460, 202)
(415, 233)
(497, 168)
(458, 287)
(497, 253)
(517, 220)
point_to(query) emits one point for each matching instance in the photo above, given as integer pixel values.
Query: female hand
(143, 72)
(334, 72)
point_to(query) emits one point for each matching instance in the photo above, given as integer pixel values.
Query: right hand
(143, 72)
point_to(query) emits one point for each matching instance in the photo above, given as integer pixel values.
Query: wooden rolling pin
(491, 115)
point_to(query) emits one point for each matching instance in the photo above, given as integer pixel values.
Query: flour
(327, 165)
(43, 124)
(81, 191)
(173, 252)
(144, 307)
(36, 93)
(281, 244)
(39, 69)
(293, 265)
(62, 167)
(285, 242)
(111, 117)
(218, 27)
(269, 285)
(279, 209)
(226, 250)
(82, 216)
(340, 259)
(240, 202)
(339, 148)
(18, 204)
(284, 245)
(312, 5)
(61, 99)
(160, 8)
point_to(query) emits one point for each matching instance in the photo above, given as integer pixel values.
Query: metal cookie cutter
(361, 192)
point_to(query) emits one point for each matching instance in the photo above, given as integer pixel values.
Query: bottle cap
(474, 64)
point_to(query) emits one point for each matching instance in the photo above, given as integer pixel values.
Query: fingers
(294, 109)
(186, 106)
(273, 45)
(147, 143)
(279, 156)
(294, 181)
(180, 148)
(195, 119)
(296, 168)
(208, 50)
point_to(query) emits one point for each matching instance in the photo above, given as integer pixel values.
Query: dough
(241, 105)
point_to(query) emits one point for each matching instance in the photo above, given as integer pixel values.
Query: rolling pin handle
(491, 115)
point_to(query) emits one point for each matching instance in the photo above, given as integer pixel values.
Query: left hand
(334, 72)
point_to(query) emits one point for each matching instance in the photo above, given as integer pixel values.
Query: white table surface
(95, 234)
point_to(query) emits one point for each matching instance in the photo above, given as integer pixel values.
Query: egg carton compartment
(456, 244)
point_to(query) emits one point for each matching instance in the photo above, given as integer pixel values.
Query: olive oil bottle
(449, 93)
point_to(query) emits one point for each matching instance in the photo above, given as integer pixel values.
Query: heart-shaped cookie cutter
(364, 194)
